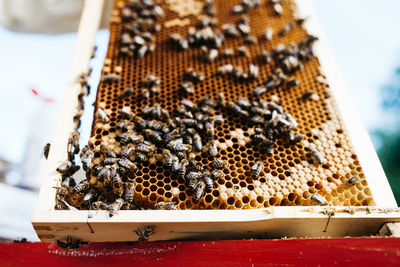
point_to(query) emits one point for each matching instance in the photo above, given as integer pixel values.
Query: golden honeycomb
(289, 177)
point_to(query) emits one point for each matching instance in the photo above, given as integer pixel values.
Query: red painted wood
(323, 252)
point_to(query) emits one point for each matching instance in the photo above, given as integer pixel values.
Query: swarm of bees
(139, 20)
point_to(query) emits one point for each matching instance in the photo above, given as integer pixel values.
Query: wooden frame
(273, 222)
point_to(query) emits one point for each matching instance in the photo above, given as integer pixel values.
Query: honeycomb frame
(288, 178)
(289, 221)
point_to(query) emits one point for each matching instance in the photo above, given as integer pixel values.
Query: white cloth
(45, 16)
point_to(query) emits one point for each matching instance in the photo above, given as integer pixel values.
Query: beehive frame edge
(53, 225)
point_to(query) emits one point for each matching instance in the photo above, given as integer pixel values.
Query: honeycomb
(289, 177)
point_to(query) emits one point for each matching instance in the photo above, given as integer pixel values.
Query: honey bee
(115, 207)
(104, 174)
(165, 206)
(110, 161)
(64, 167)
(296, 139)
(188, 104)
(278, 9)
(126, 112)
(146, 233)
(210, 55)
(116, 182)
(225, 69)
(83, 186)
(216, 174)
(155, 136)
(194, 76)
(89, 196)
(187, 87)
(129, 137)
(317, 156)
(145, 148)
(155, 125)
(286, 29)
(209, 125)
(199, 191)
(128, 165)
(258, 91)
(228, 52)
(129, 192)
(140, 157)
(182, 168)
(353, 180)
(213, 150)
(144, 93)
(307, 95)
(126, 93)
(111, 77)
(243, 51)
(125, 125)
(102, 116)
(46, 150)
(218, 164)
(317, 198)
(208, 181)
(256, 169)
(193, 175)
(108, 152)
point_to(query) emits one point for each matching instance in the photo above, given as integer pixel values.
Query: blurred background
(363, 35)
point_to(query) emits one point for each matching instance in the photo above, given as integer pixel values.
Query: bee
(353, 180)
(142, 157)
(243, 51)
(188, 104)
(104, 174)
(115, 207)
(317, 156)
(189, 122)
(64, 167)
(199, 191)
(73, 144)
(145, 148)
(46, 150)
(253, 71)
(165, 206)
(194, 76)
(293, 82)
(225, 69)
(182, 168)
(127, 164)
(108, 152)
(210, 55)
(61, 205)
(296, 139)
(193, 175)
(126, 113)
(112, 77)
(146, 233)
(210, 130)
(208, 181)
(168, 157)
(89, 196)
(128, 151)
(83, 186)
(317, 198)
(216, 174)
(129, 192)
(212, 149)
(228, 52)
(110, 161)
(125, 125)
(286, 29)
(278, 9)
(116, 182)
(96, 169)
(218, 164)
(68, 181)
(102, 116)
(129, 137)
(154, 136)
(307, 95)
(155, 125)
(126, 93)
(270, 150)
(144, 93)
(197, 143)
(256, 169)
(250, 39)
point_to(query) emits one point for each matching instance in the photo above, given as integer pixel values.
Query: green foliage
(389, 155)
(389, 151)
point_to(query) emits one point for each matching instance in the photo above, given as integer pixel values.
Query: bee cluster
(139, 19)
(181, 138)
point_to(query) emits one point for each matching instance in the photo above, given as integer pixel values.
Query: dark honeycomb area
(289, 178)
